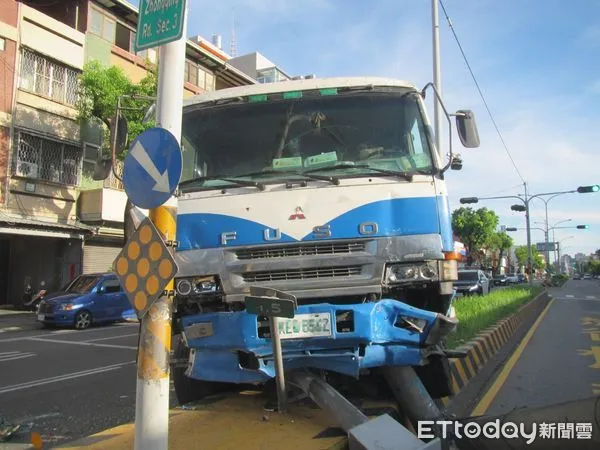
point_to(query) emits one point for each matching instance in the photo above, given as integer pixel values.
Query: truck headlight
(197, 286)
(403, 273)
(428, 272)
(398, 273)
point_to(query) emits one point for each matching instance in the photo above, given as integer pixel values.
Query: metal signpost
(273, 304)
(151, 172)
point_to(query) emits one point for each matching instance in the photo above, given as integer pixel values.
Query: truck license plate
(305, 326)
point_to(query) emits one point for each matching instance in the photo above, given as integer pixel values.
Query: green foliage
(474, 228)
(593, 267)
(475, 314)
(522, 256)
(500, 242)
(88, 183)
(99, 90)
(559, 279)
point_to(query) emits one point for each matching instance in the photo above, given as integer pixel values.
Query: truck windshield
(276, 140)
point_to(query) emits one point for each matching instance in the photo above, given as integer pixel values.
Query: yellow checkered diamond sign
(145, 266)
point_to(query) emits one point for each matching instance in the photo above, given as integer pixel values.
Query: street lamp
(525, 199)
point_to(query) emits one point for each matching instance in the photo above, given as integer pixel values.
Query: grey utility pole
(437, 77)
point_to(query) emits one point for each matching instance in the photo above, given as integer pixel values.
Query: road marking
(91, 344)
(590, 296)
(569, 296)
(15, 355)
(59, 378)
(59, 332)
(112, 337)
(490, 395)
(4, 330)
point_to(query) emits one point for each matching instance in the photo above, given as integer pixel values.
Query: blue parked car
(89, 299)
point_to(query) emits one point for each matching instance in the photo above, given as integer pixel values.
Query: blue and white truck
(330, 190)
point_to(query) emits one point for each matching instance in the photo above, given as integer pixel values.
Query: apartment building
(53, 226)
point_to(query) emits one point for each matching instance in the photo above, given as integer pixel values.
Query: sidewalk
(229, 423)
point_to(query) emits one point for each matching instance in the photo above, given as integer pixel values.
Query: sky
(537, 63)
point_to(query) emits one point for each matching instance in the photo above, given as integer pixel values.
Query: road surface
(68, 383)
(560, 361)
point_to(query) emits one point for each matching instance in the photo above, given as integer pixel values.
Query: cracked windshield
(306, 225)
(331, 131)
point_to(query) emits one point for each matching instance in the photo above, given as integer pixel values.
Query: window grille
(47, 159)
(48, 78)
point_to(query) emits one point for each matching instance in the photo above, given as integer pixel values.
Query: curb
(489, 342)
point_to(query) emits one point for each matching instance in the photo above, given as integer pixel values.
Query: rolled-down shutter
(99, 257)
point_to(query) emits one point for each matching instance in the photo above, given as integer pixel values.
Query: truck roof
(296, 85)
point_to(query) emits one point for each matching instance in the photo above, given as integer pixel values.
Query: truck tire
(187, 389)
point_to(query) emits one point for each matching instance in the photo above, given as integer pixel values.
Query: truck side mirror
(102, 169)
(467, 128)
(120, 127)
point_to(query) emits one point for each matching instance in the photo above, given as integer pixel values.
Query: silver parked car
(472, 282)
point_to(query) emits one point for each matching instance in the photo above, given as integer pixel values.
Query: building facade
(54, 223)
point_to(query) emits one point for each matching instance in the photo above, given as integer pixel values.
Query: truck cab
(331, 190)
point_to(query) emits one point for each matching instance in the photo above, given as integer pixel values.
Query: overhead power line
(479, 90)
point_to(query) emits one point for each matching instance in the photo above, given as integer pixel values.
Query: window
(46, 159)
(191, 73)
(371, 129)
(199, 76)
(270, 75)
(102, 26)
(111, 286)
(48, 78)
(209, 85)
(125, 38)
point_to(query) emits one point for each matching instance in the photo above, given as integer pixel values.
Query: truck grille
(302, 274)
(330, 248)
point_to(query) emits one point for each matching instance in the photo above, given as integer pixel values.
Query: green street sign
(159, 22)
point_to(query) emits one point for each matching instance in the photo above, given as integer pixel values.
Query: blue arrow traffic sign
(152, 168)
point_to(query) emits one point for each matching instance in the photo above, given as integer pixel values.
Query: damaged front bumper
(236, 347)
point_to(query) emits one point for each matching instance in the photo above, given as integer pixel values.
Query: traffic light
(519, 208)
(469, 200)
(586, 189)
(582, 227)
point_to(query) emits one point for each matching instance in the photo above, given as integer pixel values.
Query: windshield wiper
(331, 179)
(250, 183)
(404, 175)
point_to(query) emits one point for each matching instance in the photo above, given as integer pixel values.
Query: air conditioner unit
(27, 169)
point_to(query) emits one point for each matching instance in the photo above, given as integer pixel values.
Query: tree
(594, 267)
(474, 228)
(502, 242)
(537, 260)
(99, 89)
